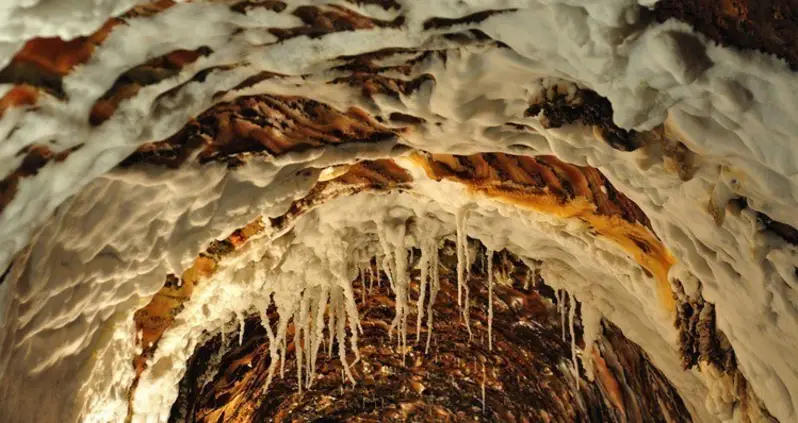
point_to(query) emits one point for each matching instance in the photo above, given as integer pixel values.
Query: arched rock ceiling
(192, 195)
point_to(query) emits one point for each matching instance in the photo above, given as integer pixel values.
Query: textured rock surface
(189, 189)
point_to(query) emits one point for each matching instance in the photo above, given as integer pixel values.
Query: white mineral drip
(362, 277)
(342, 338)
(435, 286)
(528, 278)
(223, 335)
(489, 256)
(331, 323)
(273, 346)
(353, 317)
(401, 284)
(321, 307)
(371, 274)
(460, 218)
(300, 318)
(240, 318)
(285, 314)
(591, 328)
(571, 316)
(377, 265)
(390, 271)
(426, 252)
(558, 296)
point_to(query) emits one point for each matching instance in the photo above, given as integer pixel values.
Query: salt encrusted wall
(711, 163)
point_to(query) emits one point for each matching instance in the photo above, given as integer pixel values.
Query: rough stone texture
(770, 26)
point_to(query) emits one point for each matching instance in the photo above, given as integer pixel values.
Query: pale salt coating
(69, 298)
(592, 330)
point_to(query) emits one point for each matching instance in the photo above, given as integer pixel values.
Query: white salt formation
(89, 242)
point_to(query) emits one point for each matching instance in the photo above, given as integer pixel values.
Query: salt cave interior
(398, 210)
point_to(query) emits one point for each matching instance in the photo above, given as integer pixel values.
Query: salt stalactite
(424, 262)
(353, 316)
(362, 276)
(321, 307)
(435, 286)
(591, 329)
(341, 329)
(223, 335)
(371, 273)
(300, 318)
(390, 271)
(285, 311)
(528, 278)
(401, 282)
(460, 223)
(331, 324)
(558, 296)
(240, 318)
(273, 344)
(377, 265)
(463, 267)
(489, 256)
(571, 317)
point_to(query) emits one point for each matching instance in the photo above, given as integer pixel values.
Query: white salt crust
(68, 302)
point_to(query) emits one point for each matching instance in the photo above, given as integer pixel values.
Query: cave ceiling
(398, 210)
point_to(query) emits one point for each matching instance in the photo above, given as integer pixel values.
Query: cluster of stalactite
(525, 374)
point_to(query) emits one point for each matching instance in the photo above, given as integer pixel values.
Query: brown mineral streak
(36, 157)
(567, 193)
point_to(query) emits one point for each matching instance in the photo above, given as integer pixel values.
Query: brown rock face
(770, 26)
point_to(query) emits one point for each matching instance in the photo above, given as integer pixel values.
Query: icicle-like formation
(401, 284)
(342, 335)
(528, 277)
(285, 314)
(390, 271)
(571, 316)
(223, 334)
(240, 318)
(331, 323)
(558, 296)
(371, 273)
(591, 329)
(435, 286)
(300, 326)
(273, 347)
(377, 265)
(353, 316)
(461, 238)
(489, 258)
(463, 267)
(321, 307)
(467, 311)
(362, 277)
(426, 252)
